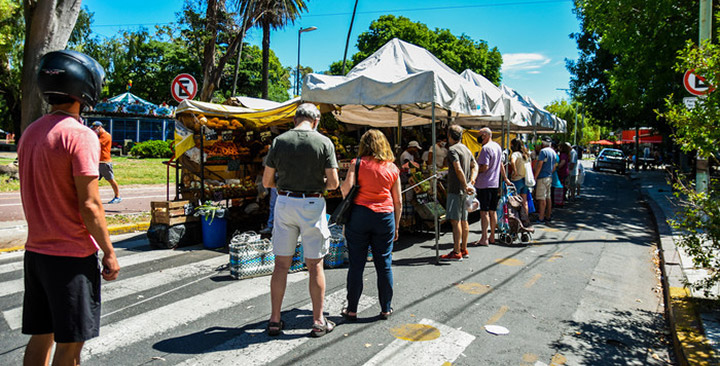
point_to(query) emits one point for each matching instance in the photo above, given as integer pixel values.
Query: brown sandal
(275, 329)
(319, 330)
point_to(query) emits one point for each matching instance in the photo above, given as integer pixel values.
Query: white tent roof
(542, 120)
(521, 119)
(405, 75)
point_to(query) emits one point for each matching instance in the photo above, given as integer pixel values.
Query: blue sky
(532, 35)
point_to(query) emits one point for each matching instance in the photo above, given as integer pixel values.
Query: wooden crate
(170, 213)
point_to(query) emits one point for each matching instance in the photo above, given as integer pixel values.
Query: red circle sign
(184, 86)
(695, 84)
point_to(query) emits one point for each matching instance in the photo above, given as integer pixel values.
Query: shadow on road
(633, 337)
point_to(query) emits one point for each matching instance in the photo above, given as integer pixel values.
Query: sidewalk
(14, 233)
(694, 322)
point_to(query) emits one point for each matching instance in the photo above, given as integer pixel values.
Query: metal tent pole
(399, 134)
(437, 228)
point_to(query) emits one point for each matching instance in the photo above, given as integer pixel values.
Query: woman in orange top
(374, 220)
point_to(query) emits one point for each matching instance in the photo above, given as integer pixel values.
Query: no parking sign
(696, 84)
(184, 86)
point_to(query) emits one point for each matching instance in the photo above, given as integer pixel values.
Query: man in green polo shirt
(305, 164)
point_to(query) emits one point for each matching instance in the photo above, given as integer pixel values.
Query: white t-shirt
(441, 154)
(406, 156)
(425, 156)
(518, 161)
(574, 160)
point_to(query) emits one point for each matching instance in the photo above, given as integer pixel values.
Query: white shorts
(542, 189)
(303, 217)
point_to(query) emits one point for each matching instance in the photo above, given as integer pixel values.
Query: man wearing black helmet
(59, 160)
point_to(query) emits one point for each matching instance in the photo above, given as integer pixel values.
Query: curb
(128, 228)
(688, 337)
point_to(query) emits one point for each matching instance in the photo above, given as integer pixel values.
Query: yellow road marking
(550, 229)
(473, 288)
(498, 315)
(558, 360)
(415, 332)
(532, 281)
(530, 357)
(571, 238)
(509, 262)
(447, 364)
(555, 257)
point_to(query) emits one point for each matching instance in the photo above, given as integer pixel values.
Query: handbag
(529, 176)
(341, 215)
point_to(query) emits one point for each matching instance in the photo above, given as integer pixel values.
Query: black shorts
(62, 296)
(488, 198)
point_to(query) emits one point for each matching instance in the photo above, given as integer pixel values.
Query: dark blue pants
(367, 228)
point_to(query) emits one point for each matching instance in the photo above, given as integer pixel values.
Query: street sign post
(184, 86)
(696, 84)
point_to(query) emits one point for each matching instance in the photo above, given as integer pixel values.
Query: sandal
(386, 316)
(275, 329)
(346, 314)
(319, 330)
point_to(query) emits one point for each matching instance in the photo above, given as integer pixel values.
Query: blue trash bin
(214, 232)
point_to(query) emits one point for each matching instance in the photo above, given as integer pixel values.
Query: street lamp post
(297, 71)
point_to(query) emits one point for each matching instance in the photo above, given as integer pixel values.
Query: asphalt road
(135, 199)
(586, 292)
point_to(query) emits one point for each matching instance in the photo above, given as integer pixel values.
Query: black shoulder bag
(341, 215)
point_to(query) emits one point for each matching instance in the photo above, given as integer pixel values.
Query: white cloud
(529, 62)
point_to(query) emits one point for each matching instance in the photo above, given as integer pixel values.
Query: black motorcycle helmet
(70, 74)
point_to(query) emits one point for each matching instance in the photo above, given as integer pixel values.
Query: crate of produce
(171, 212)
(427, 210)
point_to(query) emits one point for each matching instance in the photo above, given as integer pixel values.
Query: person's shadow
(227, 338)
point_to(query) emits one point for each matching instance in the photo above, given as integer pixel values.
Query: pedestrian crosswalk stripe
(17, 285)
(125, 287)
(11, 267)
(12, 255)
(134, 329)
(248, 349)
(439, 351)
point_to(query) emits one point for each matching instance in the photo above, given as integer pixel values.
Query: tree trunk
(265, 59)
(209, 51)
(48, 24)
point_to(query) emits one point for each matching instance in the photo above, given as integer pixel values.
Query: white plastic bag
(529, 176)
(471, 203)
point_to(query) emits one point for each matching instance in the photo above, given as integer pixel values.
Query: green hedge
(152, 149)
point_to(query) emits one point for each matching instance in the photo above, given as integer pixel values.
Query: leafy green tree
(627, 50)
(698, 129)
(271, 14)
(11, 47)
(250, 76)
(459, 53)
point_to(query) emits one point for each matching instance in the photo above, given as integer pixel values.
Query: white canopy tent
(402, 77)
(402, 84)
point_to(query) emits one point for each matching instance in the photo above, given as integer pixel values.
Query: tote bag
(529, 176)
(341, 215)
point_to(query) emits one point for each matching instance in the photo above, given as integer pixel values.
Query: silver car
(610, 159)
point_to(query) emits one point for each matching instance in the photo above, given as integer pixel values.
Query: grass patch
(139, 171)
(141, 218)
(128, 171)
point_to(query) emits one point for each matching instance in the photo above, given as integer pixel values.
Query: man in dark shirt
(305, 163)
(463, 170)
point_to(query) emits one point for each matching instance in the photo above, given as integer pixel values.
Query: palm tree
(270, 14)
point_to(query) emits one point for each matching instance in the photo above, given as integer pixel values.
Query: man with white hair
(305, 163)
(544, 168)
(490, 169)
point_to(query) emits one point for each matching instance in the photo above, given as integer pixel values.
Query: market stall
(219, 152)
(129, 117)
(405, 85)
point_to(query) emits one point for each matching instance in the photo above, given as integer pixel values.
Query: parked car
(610, 159)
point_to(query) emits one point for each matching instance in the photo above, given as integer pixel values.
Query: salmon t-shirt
(376, 179)
(53, 150)
(105, 146)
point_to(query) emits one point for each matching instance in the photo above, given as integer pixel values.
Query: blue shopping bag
(531, 204)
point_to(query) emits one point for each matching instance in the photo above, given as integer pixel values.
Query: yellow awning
(281, 114)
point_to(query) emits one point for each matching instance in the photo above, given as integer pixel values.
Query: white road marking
(15, 286)
(135, 329)
(118, 289)
(11, 267)
(249, 349)
(443, 350)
